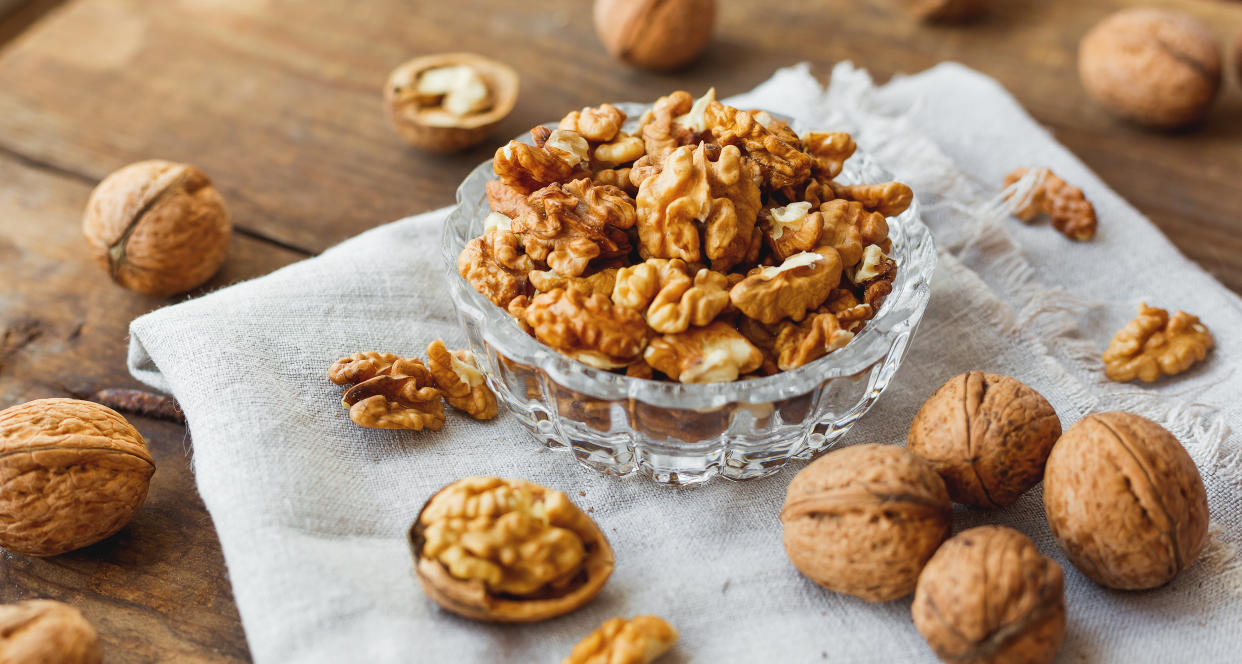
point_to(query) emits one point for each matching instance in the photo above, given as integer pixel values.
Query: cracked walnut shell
(1125, 501)
(508, 551)
(988, 596)
(460, 381)
(863, 520)
(71, 473)
(449, 101)
(1155, 343)
(638, 640)
(43, 631)
(158, 227)
(987, 435)
(715, 353)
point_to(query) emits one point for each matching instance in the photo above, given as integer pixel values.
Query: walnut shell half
(987, 435)
(508, 551)
(989, 596)
(430, 127)
(43, 631)
(1125, 501)
(71, 473)
(863, 520)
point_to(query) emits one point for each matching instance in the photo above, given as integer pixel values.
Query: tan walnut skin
(475, 398)
(1125, 501)
(43, 631)
(71, 473)
(506, 550)
(1072, 214)
(987, 435)
(158, 227)
(863, 520)
(638, 640)
(989, 596)
(1156, 344)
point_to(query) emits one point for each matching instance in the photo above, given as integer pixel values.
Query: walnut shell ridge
(71, 473)
(1125, 501)
(987, 435)
(863, 520)
(989, 597)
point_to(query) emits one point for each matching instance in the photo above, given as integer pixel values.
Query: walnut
(1155, 343)
(793, 229)
(988, 596)
(460, 381)
(1071, 212)
(495, 265)
(1156, 67)
(449, 102)
(158, 227)
(616, 177)
(828, 151)
(863, 520)
(71, 473)
(888, 198)
(589, 329)
(601, 282)
(621, 151)
(407, 401)
(801, 283)
(781, 163)
(851, 314)
(556, 156)
(875, 275)
(366, 365)
(1125, 501)
(671, 298)
(987, 435)
(508, 551)
(569, 225)
(639, 640)
(848, 228)
(801, 343)
(655, 34)
(598, 125)
(660, 131)
(715, 353)
(693, 190)
(43, 631)
(945, 10)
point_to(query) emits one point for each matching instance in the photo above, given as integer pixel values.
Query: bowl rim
(895, 321)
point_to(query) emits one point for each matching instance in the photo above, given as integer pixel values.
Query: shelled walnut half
(506, 550)
(1155, 344)
(639, 640)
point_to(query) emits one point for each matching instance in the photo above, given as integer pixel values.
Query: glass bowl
(688, 433)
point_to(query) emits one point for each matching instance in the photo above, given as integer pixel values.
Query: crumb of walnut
(781, 164)
(601, 282)
(396, 402)
(694, 190)
(616, 177)
(801, 343)
(1071, 213)
(1156, 343)
(639, 640)
(799, 284)
(460, 381)
(556, 156)
(599, 124)
(495, 265)
(623, 150)
(829, 151)
(887, 198)
(672, 298)
(715, 353)
(568, 225)
(588, 328)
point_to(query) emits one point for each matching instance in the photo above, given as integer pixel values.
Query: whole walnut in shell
(71, 473)
(1125, 501)
(945, 10)
(43, 631)
(158, 227)
(1156, 67)
(863, 520)
(987, 435)
(655, 34)
(989, 596)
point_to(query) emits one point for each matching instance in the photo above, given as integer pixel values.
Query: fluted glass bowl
(688, 433)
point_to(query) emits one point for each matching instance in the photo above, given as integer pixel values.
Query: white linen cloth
(312, 510)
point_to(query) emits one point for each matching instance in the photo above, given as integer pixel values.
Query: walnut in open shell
(1125, 501)
(449, 101)
(507, 550)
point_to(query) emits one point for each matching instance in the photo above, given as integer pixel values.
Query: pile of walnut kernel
(711, 244)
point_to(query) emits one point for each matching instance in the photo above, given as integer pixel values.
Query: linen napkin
(312, 510)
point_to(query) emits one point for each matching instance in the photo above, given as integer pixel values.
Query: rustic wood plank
(158, 590)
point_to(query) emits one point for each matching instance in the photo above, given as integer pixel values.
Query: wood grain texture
(279, 102)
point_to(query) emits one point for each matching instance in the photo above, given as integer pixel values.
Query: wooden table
(279, 102)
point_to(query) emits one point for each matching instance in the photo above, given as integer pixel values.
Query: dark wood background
(279, 102)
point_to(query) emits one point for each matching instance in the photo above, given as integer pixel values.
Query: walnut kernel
(1155, 343)
(639, 640)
